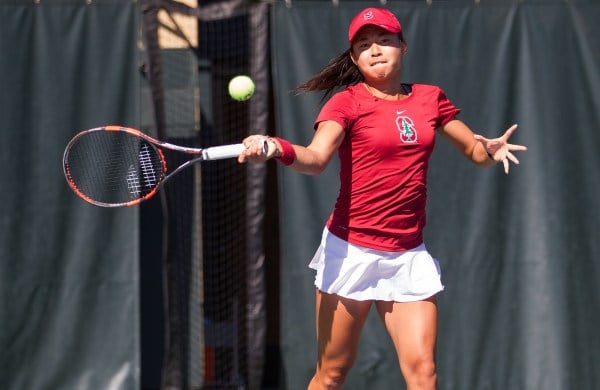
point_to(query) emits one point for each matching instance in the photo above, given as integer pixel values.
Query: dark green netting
(68, 270)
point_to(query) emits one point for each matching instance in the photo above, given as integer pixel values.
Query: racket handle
(227, 151)
(221, 152)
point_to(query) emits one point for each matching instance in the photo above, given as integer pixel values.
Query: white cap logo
(368, 15)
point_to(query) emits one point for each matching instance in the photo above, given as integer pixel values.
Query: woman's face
(377, 53)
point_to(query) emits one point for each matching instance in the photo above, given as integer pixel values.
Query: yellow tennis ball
(241, 88)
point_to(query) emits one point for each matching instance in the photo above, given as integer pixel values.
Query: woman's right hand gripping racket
(115, 166)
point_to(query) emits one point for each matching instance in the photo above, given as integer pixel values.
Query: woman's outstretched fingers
(510, 131)
(517, 147)
(512, 158)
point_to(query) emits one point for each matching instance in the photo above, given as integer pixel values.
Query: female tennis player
(372, 250)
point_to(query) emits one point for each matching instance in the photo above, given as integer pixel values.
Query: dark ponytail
(339, 72)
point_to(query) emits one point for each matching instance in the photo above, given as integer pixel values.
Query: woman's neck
(387, 92)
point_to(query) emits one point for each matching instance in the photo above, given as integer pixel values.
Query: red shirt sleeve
(446, 110)
(340, 108)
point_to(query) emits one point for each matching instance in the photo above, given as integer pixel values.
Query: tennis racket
(115, 166)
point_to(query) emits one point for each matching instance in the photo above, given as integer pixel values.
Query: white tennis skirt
(364, 274)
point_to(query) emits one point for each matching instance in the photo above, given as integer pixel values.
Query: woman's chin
(381, 75)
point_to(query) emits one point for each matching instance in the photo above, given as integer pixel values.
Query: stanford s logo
(406, 128)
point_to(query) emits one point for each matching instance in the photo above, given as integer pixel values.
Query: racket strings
(113, 168)
(140, 183)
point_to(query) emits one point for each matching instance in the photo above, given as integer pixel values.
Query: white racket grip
(227, 151)
(221, 152)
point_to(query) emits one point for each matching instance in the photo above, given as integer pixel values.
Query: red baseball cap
(376, 16)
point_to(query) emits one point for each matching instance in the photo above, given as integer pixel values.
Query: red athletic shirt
(383, 164)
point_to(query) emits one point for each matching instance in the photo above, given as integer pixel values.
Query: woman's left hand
(499, 149)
